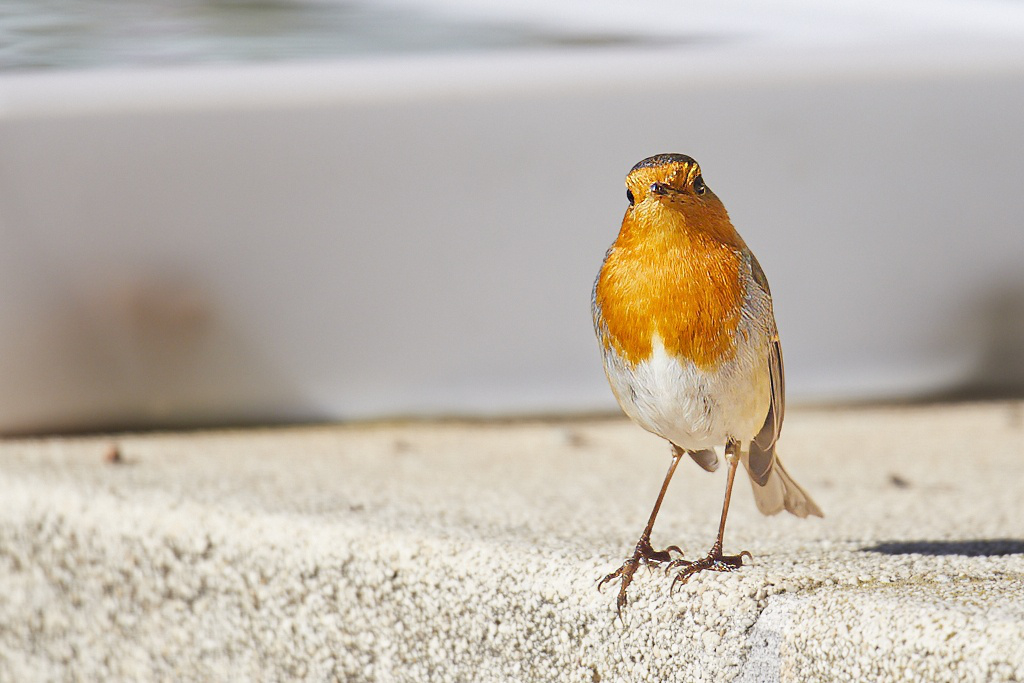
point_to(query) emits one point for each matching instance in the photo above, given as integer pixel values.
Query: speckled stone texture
(471, 552)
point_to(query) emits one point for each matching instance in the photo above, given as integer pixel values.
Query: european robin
(683, 314)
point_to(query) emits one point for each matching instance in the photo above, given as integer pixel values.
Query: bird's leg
(644, 553)
(715, 561)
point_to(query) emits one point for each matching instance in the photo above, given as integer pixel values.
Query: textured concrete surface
(471, 553)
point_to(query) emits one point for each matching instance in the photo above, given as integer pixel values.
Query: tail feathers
(780, 492)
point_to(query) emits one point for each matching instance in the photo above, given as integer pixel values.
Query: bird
(684, 319)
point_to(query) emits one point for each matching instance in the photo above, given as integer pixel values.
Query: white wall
(420, 235)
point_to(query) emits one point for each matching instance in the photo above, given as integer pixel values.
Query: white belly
(693, 408)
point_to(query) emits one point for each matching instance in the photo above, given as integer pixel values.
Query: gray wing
(762, 448)
(706, 458)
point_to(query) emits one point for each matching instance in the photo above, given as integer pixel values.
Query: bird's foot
(642, 554)
(714, 561)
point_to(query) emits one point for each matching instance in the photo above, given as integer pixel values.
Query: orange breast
(684, 285)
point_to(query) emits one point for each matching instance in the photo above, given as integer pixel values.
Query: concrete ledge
(470, 553)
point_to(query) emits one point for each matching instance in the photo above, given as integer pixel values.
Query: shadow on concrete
(992, 547)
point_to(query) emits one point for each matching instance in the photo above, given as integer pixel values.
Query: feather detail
(706, 458)
(762, 448)
(780, 492)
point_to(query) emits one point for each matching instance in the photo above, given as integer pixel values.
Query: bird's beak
(664, 190)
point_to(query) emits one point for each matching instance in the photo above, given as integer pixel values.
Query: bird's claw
(642, 554)
(714, 561)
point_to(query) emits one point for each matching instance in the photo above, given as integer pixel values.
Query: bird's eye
(698, 185)
(629, 196)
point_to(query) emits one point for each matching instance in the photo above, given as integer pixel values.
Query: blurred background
(229, 212)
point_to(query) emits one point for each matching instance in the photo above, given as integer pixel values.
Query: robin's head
(672, 180)
(667, 192)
